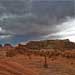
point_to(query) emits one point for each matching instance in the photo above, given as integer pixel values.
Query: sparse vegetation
(41, 55)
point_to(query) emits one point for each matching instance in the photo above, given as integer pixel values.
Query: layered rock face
(47, 45)
(13, 68)
(57, 44)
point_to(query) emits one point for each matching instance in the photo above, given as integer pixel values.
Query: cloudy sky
(25, 20)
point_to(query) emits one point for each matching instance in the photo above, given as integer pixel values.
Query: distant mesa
(58, 44)
(46, 45)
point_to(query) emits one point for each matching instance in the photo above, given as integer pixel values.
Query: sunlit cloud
(5, 37)
(67, 30)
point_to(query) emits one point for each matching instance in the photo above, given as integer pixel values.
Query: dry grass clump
(11, 53)
(69, 54)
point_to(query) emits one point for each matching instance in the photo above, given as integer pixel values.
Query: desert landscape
(48, 57)
(37, 37)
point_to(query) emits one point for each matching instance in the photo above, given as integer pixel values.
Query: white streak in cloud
(2, 30)
(67, 31)
(5, 37)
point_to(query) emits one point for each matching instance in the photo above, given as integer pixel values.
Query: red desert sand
(13, 68)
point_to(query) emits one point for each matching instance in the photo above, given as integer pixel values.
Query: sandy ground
(22, 65)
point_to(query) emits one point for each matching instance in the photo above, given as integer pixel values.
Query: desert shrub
(45, 62)
(50, 54)
(11, 53)
(36, 53)
(71, 63)
(41, 54)
(57, 54)
(29, 55)
(68, 54)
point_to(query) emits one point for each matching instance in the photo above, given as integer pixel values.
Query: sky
(26, 20)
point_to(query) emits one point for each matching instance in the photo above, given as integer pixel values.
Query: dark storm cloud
(15, 6)
(40, 17)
